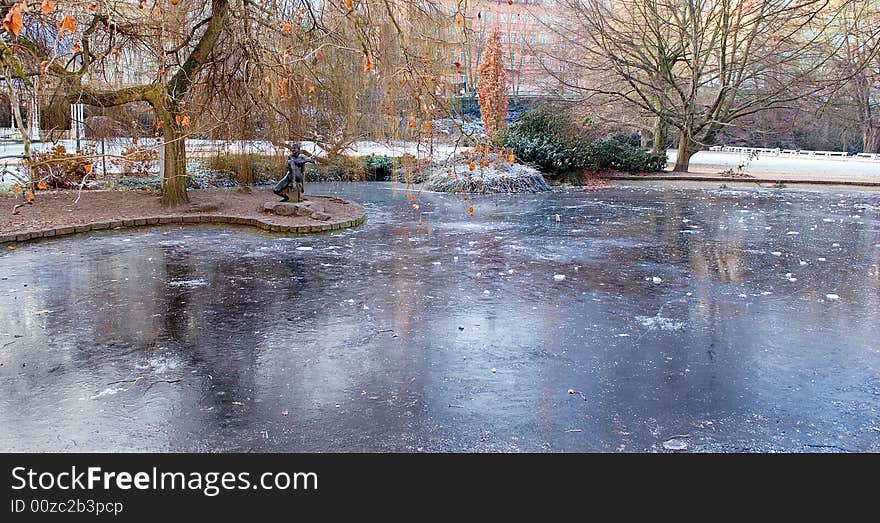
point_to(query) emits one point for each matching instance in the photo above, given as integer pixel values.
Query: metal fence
(798, 153)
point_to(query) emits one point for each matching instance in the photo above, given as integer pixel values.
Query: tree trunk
(686, 149)
(872, 139)
(661, 135)
(174, 167)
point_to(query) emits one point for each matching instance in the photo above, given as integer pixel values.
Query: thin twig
(150, 386)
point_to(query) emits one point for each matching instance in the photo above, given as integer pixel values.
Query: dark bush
(379, 168)
(564, 146)
(611, 154)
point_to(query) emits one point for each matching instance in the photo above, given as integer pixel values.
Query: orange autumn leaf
(429, 126)
(76, 47)
(159, 124)
(42, 186)
(311, 89)
(12, 22)
(88, 168)
(472, 166)
(16, 187)
(94, 6)
(286, 26)
(412, 123)
(412, 197)
(44, 65)
(416, 206)
(511, 158)
(368, 63)
(46, 7)
(471, 209)
(30, 196)
(348, 4)
(478, 148)
(67, 24)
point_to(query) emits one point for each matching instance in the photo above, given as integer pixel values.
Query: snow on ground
(704, 161)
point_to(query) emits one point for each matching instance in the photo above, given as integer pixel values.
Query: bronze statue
(296, 170)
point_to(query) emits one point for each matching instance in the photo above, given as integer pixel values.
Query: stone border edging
(153, 221)
(721, 179)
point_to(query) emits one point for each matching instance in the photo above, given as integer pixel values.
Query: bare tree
(856, 42)
(277, 69)
(697, 66)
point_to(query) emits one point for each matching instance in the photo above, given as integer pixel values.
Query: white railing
(800, 153)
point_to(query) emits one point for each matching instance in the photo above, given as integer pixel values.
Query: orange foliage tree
(492, 84)
(275, 69)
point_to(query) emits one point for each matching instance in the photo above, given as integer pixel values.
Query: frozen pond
(690, 318)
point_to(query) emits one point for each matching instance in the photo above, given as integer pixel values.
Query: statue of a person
(296, 168)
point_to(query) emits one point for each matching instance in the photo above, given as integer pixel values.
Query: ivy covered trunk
(661, 135)
(174, 168)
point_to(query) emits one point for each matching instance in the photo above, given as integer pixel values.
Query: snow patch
(106, 392)
(188, 283)
(659, 323)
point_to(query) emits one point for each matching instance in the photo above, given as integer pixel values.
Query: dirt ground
(57, 209)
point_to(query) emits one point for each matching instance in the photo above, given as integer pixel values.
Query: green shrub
(611, 154)
(564, 146)
(379, 168)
